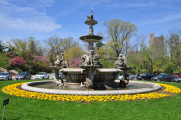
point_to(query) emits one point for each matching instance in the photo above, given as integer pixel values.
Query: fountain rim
(155, 87)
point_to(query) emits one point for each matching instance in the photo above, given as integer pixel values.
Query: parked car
(146, 76)
(23, 76)
(120, 77)
(131, 77)
(42, 75)
(60, 75)
(5, 76)
(177, 79)
(177, 75)
(163, 77)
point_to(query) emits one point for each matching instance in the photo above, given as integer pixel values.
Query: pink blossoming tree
(75, 62)
(18, 61)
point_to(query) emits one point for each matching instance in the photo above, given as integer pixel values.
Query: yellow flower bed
(170, 88)
(13, 90)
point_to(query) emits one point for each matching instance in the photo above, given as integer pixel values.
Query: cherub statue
(88, 58)
(96, 60)
(121, 62)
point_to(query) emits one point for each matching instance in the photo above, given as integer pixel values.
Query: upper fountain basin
(91, 38)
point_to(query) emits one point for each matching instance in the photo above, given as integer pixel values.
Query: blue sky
(44, 18)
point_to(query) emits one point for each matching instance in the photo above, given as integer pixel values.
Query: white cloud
(28, 25)
(25, 18)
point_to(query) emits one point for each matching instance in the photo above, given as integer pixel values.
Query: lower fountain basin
(134, 87)
(73, 75)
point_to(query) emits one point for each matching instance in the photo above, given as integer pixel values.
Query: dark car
(163, 77)
(146, 76)
(23, 76)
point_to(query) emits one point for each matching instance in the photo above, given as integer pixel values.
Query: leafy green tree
(119, 33)
(106, 52)
(67, 43)
(73, 53)
(19, 46)
(174, 47)
(100, 43)
(3, 61)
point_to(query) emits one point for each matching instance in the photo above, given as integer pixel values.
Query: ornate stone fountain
(91, 74)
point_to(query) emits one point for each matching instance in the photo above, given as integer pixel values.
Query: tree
(1, 47)
(100, 43)
(174, 44)
(67, 43)
(74, 53)
(56, 46)
(18, 61)
(119, 32)
(3, 61)
(75, 62)
(27, 47)
(41, 64)
(106, 52)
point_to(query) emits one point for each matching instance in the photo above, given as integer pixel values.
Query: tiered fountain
(91, 74)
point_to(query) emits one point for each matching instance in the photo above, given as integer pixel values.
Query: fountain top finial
(90, 20)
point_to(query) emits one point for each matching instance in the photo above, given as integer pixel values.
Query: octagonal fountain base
(134, 87)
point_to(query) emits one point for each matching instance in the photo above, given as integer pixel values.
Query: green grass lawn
(33, 109)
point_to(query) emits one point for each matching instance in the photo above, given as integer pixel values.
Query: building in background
(156, 45)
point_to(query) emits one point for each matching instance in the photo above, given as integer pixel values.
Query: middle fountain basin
(78, 75)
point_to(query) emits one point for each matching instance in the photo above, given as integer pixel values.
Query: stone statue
(96, 61)
(59, 64)
(121, 62)
(87, 58)
(90, 17)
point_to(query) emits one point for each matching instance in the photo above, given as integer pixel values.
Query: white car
(131, 77)
(5, 76)
(177, 79)
(42, 75)
(120, 77)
